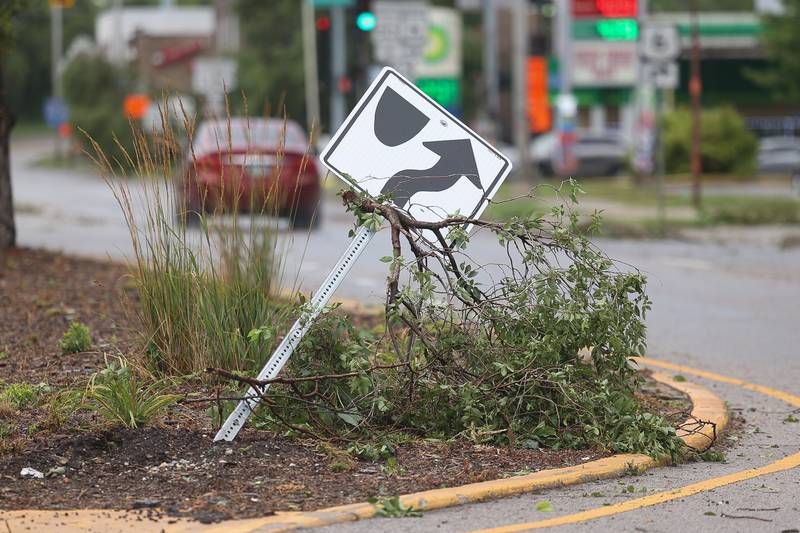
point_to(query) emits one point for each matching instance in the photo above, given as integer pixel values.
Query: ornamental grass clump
(533, 351)
(202, 280)
(121, 395)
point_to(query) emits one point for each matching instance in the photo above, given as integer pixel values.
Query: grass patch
(750, 210)
(23, 395)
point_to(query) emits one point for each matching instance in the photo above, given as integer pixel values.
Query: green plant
(76, 339)
(501, 361)
(119, 394)
(94, 90)
(203, 291)
(23, 395)
(392, 507)
(60, 407)
(726, 143)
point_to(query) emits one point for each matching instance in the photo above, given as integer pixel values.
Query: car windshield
(243, 135)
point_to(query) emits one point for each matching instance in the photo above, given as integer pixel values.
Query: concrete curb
(705, 406)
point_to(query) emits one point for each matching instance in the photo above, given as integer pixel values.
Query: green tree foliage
(94, 91)
(726, 143)
(271, 59)
(28, 62)
(781, 41)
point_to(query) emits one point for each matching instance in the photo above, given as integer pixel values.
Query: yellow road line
(705, 405)
(769, 391)
(787, 463)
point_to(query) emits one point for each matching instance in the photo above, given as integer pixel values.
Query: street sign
(398, 140)
(211, 78)
(661, 74)
(55, 112)
(604, 63)
(660, 42)
(401, 34)
(441, 57)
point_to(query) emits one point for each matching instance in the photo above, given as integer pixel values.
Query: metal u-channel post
(247, 405)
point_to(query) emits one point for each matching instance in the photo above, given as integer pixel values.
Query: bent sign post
(397, 141)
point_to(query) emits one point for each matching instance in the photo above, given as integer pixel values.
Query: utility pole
(566, 104)
(56, 52)
(695, 88)
(490, 64)
(311, 74)
(519, 61)
(338, 66)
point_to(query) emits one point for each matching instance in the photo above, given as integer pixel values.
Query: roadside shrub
(120, 395)
(76, 339)
(94, 91)
(727, 146)
(533, 353)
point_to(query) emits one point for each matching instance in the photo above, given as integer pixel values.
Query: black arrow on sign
(456, 160)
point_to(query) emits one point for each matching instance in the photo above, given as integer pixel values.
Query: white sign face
(399, 141)
(213, 75)
(441, 57)
(401, 33)
(661, 75)
(604, 63)
(660, 43)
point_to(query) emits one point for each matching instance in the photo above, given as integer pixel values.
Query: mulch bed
(174, 466)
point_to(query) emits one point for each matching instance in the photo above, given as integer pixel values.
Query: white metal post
(246, 406)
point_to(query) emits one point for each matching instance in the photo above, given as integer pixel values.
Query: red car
(251, 165)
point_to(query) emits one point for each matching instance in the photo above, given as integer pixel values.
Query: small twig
(723, 515)
(261, 383)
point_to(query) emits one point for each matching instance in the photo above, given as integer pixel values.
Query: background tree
(8, 231)
(781, 41)
(271, 58)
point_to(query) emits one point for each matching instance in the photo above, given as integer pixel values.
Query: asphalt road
(731, 307)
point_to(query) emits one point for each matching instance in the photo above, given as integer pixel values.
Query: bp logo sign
(438, 45)
(441, 56)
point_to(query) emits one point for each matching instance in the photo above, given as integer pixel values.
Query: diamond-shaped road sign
(398, 140)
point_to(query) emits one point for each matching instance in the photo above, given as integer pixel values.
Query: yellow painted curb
(705, 406)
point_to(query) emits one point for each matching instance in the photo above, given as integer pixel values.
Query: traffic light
(366, 21)
(323, 23)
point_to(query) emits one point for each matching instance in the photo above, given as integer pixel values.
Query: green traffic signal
(366, 21)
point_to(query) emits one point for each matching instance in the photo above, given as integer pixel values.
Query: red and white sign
(604, 8)
(604, 63)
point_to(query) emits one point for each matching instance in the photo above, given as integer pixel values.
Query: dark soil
(174, 466)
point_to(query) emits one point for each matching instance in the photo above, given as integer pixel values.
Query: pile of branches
(529, 348)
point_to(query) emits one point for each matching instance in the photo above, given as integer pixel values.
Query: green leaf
(545, 507)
